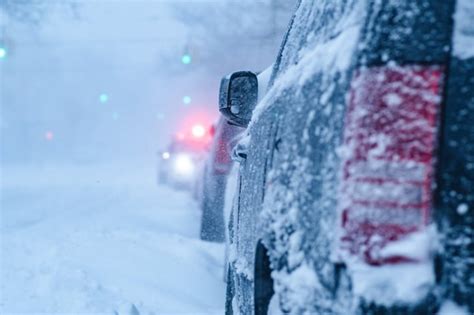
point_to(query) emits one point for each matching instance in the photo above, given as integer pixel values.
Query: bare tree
(32, 11)
(234, 30)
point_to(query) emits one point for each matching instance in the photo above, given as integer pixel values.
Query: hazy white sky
(105, 84)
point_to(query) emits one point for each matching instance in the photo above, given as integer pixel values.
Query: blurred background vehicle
(179, 165)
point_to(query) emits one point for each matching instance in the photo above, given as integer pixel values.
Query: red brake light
(389, 139)
(222, 160)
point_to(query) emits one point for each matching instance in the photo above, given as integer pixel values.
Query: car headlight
(183, 164)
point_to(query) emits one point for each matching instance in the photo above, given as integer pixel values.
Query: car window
(313, 22)
(276, 65)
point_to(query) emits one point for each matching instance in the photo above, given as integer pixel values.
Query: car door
(308, 94)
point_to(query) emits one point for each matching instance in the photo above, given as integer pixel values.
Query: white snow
(393, 99)
(230, 192)
(103, 241)
(419, 245)
(274, 306)
(462, 209)
(230, 198)
(398, 283)
(333, 55)
(263, 80)
(463, 46)
(451, 308)
(388, 285)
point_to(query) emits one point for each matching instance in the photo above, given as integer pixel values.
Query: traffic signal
(49, 135)
(103, 98)
(187, 100)
(186, 59)
(3, 52)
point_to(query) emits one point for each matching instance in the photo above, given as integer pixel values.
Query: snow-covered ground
(103, 240)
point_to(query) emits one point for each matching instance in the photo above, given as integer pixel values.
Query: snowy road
(97, 241)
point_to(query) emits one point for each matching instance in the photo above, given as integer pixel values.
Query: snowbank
(103, 241)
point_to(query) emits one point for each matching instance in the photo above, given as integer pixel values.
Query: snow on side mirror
(238, 96)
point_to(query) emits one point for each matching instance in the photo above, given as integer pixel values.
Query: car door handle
(277, 144)
(239, 153)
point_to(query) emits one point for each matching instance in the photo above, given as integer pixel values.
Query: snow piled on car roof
(463, 46)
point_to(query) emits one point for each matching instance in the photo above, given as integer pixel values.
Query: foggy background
(90, 91)
(104, 81)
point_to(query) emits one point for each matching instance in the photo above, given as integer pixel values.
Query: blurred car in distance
(179, 164)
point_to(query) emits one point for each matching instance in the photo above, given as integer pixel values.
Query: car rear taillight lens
(388, 157)
(222, 160)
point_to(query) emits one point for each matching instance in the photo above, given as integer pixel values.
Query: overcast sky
(105, 82)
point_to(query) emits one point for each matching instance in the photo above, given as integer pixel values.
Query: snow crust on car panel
(399, 283)
(332, 56)
(389, 285)
(451, 308)
(309, 91)
(263, 80)
(463, 46)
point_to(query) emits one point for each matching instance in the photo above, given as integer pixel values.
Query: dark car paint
(214, 179)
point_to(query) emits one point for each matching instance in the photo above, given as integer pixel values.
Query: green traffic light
(103, 98)
(3, 53)
(187, 100)
(186, 59)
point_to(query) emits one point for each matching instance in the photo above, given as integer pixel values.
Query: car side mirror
(238, 96)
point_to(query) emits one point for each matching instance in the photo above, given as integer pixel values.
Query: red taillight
(389, 140)
(222, 160)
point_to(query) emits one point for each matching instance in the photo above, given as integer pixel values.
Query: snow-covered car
(216, 169)
(356, 179)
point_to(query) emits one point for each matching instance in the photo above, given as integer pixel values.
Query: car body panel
(214, 179)
(290, 183)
